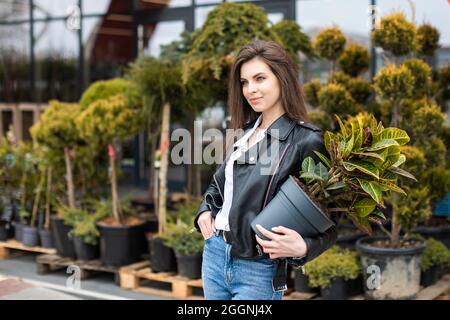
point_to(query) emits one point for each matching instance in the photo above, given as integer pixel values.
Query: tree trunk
(395, 121)
(152, 140)
(37, 199)
(164, 148)
(70, 188)
(47, 204)
(115, 198)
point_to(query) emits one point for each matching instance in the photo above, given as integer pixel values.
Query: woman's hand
(206, 224)
(285, 243)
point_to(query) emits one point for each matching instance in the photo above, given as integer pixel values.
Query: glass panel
(201, 14)
(11, 10)
(14, 63)
(27, 122)
(275, 17)
(207, 1)
(53, 8)
(178, 3)
(164, 33)
(107, 48)
(56, 52)
(96, 7)
(7, 121)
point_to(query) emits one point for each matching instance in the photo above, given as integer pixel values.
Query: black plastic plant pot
(189, 266)
(30, 236)
(6, 230)
(430, 276)
(85, 251)
(18, 231)
(338, 290)
(63, 243)
(301, 283)
(120, 245)
(390, 273)
(46, 238)
(440, 233)
(292, 208)
(162, 258)
(347, 236)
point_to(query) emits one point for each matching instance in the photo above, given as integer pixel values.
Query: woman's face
(260, 86)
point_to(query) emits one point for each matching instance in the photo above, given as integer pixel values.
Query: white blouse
(221, 221)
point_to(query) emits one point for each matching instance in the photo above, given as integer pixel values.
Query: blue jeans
(229, 278)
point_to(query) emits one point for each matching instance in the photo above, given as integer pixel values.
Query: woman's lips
(255, 100)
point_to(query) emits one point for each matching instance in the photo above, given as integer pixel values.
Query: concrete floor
(48, 286)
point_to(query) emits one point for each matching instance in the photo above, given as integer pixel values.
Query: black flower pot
(431, 276)
(63, 243)
(162, 258)
(301, 283)
(189, 266)
(6, 230)
(347, 236)
(46, 238)
(390, 273)
(85, 251)
(292, 208)
(338, 290)
(18, 231)
(120, 245)
(440, 233)
(30, 236)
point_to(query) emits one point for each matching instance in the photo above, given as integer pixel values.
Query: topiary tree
(427, 40)
(294, 39)
(57, 131)
(335, 99)
(311, 90)
(395, 34)
(329, 44)
(104, 123)
(228, 27)
(354, 60)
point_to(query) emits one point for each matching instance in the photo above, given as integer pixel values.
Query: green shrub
(329, 43)
(182, 239)
(332, 264)
(105, 89)
(427, 39)
(293, 38)
(394, 82)
(360, 89)
(435, 254)
(335, 99)
(311, 90)
(422, 76)
(354, 60)
(395, 34)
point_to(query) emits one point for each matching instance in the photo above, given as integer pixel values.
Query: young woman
(266, 101)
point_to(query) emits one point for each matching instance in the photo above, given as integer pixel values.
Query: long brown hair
(282, 67)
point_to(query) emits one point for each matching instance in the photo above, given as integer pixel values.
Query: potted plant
(404, 90)
(363, 165)
(435, 262)
(104, 122)
(333, 272)
(188, 247)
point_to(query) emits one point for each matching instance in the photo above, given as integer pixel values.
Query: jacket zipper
(274, 174)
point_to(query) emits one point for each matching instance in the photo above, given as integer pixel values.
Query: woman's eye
(260, 78)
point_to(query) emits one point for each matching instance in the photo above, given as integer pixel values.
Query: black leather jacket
(253, 190)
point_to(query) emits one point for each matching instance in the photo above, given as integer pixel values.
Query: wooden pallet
(133, 277)
(11, 248)
(50, 262)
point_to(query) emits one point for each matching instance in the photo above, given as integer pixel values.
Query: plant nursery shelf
(8, 248)
(134, 277)
(51, 262)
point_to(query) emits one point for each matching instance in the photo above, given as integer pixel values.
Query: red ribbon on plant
(111, 151)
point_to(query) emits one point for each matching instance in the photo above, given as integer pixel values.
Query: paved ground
(19, 280)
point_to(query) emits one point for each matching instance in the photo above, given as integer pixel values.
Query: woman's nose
(251, 87)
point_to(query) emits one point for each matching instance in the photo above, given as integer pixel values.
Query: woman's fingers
(267, 233)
